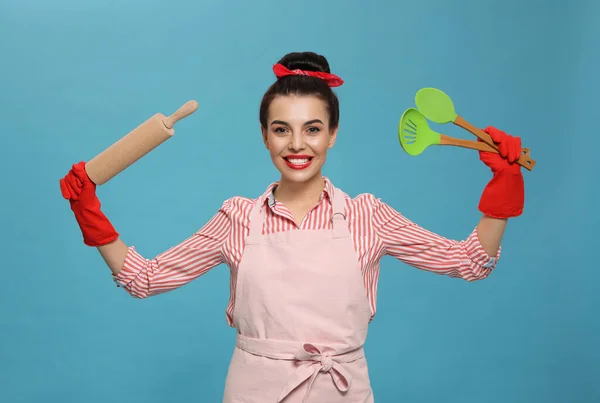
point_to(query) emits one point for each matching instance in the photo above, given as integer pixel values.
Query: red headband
(331, 79)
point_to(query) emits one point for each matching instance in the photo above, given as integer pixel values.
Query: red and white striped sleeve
(423, 249)
(180, 264)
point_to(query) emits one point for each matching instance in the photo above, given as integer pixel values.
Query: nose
(296, 142)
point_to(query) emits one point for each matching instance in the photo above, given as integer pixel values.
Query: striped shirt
(376, 229)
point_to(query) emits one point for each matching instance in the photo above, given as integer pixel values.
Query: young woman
(304, 256)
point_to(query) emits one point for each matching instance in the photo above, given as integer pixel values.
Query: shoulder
(370, 207)
(233, 213)
(362, 200)
(238, 206)
(237, 202)
(361, 206)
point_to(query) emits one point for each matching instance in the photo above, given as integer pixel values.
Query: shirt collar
(269, 198)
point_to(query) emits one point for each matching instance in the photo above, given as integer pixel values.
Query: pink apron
(302, 316)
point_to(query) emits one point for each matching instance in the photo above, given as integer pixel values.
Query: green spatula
(439, 108)
(415, 135)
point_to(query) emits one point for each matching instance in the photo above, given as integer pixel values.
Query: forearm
(490, 232)
(114, 255)
(143, 277)
(426, 250)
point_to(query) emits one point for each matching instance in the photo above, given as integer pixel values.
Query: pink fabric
(377, 230)
(302, 316)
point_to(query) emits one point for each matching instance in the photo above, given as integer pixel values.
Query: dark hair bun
(301, 84)
(305, 61)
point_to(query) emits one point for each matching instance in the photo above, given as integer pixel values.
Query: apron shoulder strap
(340, 226)
(339, 202)
(257, 218)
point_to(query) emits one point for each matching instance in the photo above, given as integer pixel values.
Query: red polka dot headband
(331, 79)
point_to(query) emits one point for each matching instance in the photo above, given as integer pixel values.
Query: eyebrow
(310, 122)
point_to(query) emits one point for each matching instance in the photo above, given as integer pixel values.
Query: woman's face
(298, 136)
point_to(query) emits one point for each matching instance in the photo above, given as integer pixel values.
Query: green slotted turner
(438, 107)
(415, 135)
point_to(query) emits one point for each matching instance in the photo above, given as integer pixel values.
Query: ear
(264, 136)
(332, 137)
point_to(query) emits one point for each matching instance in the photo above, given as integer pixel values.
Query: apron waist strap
(312, 360)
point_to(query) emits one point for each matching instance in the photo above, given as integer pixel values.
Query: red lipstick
(298, 161)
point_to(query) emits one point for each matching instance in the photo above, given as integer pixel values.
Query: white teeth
(298, 161)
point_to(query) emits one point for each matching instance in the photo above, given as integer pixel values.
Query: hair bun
(310, 61)
(315, 80)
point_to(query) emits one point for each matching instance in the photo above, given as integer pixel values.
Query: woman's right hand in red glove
(78, 188)
(504, 195)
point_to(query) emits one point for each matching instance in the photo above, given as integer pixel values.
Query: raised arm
(504, 195)
(139, 276)
(426, 250)
(476, 256)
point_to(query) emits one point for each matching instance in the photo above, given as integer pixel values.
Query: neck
(304, 192)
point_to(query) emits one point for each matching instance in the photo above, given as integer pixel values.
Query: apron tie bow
(327, 363)
(309, 359)
(312, 361)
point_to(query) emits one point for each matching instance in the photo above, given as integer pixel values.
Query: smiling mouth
(298, 161)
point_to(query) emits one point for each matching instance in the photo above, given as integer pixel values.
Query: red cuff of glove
(95, 227)
(504, 195)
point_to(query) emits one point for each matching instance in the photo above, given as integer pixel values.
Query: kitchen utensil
(135, 144)
(438, 107)
(415, 135)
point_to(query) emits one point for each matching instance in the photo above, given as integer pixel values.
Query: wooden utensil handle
(524, 160)
(187, 109)
(474, 145)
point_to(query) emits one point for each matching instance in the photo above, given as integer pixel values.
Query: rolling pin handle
(187, 109)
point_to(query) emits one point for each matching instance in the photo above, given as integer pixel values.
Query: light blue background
(78, 75)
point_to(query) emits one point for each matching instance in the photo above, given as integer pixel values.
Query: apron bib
(302, 316)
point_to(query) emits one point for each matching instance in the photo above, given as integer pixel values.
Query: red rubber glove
(77, 187)
(504, 195)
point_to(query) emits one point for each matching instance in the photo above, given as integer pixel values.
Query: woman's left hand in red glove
(504, 195)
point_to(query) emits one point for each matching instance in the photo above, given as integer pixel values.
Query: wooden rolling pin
(137, 143)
